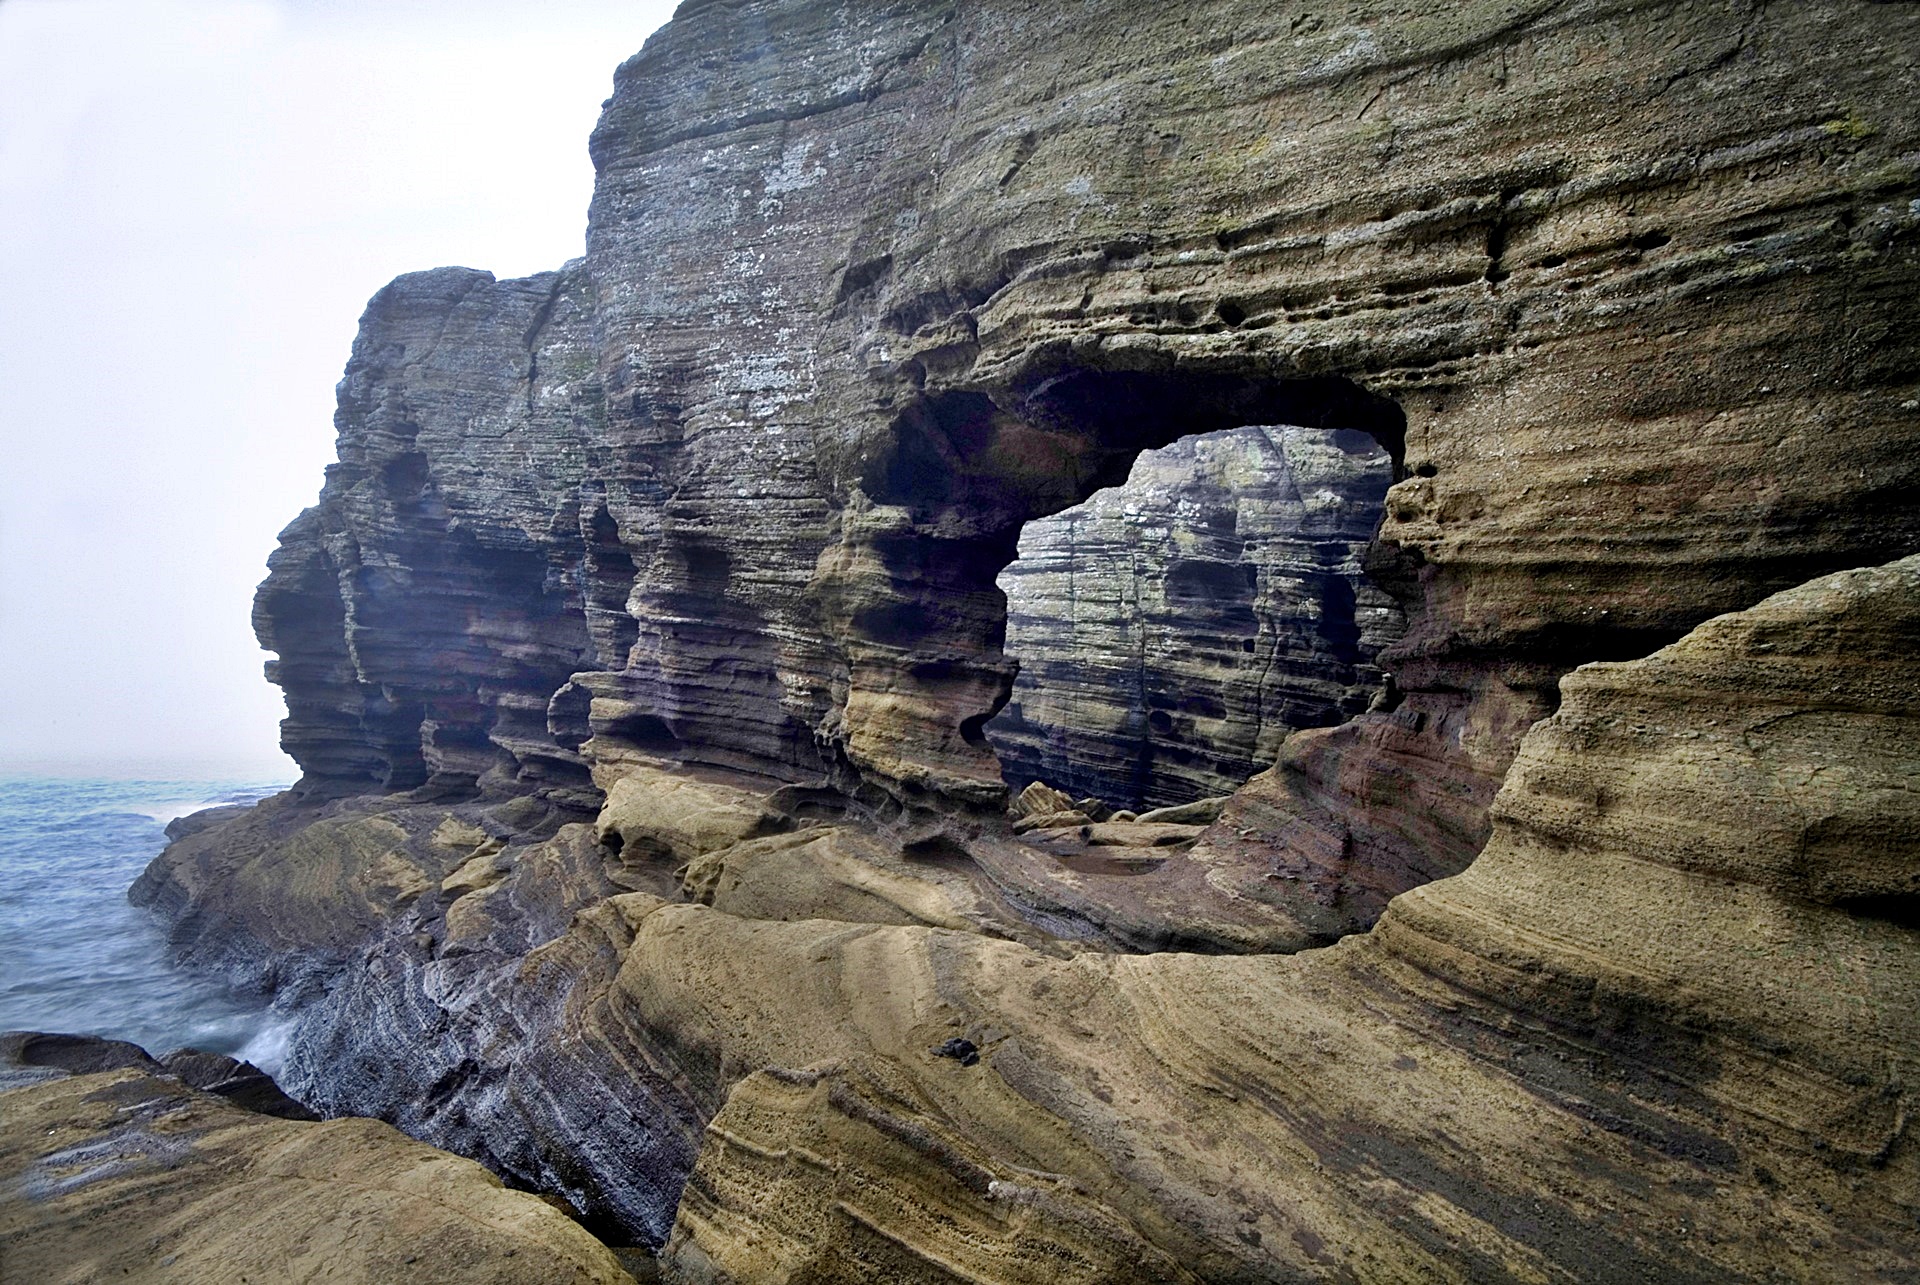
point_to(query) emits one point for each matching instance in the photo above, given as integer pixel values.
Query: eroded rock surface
(639, 651)
(1664, 1028)
(1503, 1081)
(446, 1014)
(1171, 632)
(735, 487)
(126, 1175)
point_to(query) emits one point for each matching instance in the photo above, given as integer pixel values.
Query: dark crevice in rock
(610, 574)
(1899, 909)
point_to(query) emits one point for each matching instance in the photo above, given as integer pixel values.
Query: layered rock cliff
(639, 651)
(1172, 631)
(1664, 1028)
(735, 487)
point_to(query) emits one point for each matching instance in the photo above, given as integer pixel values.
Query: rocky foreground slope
(639, 649)
(117, 1170)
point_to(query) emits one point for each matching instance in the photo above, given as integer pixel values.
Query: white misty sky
(197, 197)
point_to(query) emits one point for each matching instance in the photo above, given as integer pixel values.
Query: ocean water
(75, 956)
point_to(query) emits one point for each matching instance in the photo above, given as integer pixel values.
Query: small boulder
(1143, 834)
(1039, 799)
(241, 1083)
(74, 1054)
(1123, 816)
(1200, 812)
(1051, 821)
(1095, 809)
(965, 1052)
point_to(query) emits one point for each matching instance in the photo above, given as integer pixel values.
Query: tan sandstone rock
(127, 1176)
(1665, 1024)
(1546, 1023)
(670, 816)
(1040, 799)
(1199, 812)
(1052, 820)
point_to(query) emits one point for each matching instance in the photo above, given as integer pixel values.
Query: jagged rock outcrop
(1666, 1027)
(438, 953)
(439, 593)
(1172, 631)
(854, 310)
(703, 530)
(118, 1172)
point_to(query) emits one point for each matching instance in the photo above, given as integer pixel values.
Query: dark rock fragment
(962, 1051)
(74, 1054)
(241, 1083)
(1096, 809)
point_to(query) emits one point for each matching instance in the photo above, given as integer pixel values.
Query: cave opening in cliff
(1148, 644)
(609, 573)
(1171, 631)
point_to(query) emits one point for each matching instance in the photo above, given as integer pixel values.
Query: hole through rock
(1172, 630)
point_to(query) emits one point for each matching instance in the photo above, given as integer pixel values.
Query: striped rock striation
(639, 651)
(735, 487)
(1666, 1027)
(1171, 632)
(116, 1170)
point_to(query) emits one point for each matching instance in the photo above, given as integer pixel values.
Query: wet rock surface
(241, 1083)
(32, 1057)
(640, 648)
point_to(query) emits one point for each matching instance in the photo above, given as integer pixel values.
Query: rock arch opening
(1172, 631)
(936, 514)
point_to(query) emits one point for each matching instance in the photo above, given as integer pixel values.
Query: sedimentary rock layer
(1620, 287)
(1171, 632)
(702, 533)
(439, 954)
(1664, 1028)
(128, 1175)
(1552, 1065)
